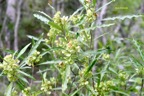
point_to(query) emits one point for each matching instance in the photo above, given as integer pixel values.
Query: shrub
(65, 59)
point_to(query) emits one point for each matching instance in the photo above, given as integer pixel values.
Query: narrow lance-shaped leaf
(91, 65)
(42, 16)
(103, 72)
(65, 79)
(20, 83)
(105, 25)
(23, 79)
(91, 89)
(78, 10)
(9, 89)
(139, 49)
(46, 19)
(23, 73)
(50, 62)
(73, 94)
(121, 92)
(23, 50)
(44, 75)
(121, 17)
(105, 5)
(51, 7)
(33, 37)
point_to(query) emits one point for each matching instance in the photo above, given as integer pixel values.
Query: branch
(17, 25)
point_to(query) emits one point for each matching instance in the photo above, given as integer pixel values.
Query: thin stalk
(141, 90)
(85, 34)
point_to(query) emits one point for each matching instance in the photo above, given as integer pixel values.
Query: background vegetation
(78, 47)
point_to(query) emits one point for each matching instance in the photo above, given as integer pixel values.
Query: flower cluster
(69, 52)
(27, 92)
(35, 58)
(10, 67)
(64, 40)
(90, 11)
(47, 85)
(14, 93)
(76, 18)
(123, 76)
(91, 15)
(62, 23)
(104, 87)
(140, 70)
(83, 81)
(105, 56)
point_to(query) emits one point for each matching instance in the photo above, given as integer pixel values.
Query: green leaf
(73, 94)
(117, 55)
(105, 25)
(23, 73)
(136, 43)
(121, 17)
(91, 65)
(105, 5)
(65, 79)
(21, 84)
(103, 72)
(136, 62)
(9, 89)
(50, 62)
(93, 52)
(112, 70)
(78, 10)
(23, 50)
(87, 29)
(26, 67)
(8, 51)
(23, 79)
(33, 37)
(100, 36)
(44, 75)
(121, 92)
(42, 16)
(44, 70)
(91, 89)
(14, 54)
(52, 7)
(94, 2)
(55, 25)
(38, 93)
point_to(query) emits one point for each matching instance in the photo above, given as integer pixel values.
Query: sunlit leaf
(26, 74)
(121, 17)
(9, 89)
(65, 79)
(23, 50)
